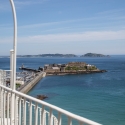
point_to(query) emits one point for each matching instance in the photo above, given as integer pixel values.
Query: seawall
(27, 87)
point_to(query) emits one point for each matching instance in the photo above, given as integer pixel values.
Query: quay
(28, 86)
(30, 78)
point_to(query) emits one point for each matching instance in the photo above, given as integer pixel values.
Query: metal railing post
(11, 69)
(12, 87)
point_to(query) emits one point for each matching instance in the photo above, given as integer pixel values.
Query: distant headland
(94, 55)
(49, 55)
(65, 55)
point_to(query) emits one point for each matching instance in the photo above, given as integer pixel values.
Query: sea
(99, 96)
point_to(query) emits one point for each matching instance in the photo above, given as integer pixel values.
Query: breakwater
(28, 86)
(28, 69)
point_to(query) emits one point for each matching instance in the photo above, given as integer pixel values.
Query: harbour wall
(28, 86)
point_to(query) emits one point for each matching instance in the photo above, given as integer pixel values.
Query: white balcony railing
(17, 108)
(31, 111)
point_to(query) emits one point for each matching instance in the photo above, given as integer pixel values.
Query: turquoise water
(99, 97)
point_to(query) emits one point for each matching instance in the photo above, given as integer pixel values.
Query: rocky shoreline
(75, 72)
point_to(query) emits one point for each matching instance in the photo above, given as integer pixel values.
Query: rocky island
(94, 55)
(71, 68)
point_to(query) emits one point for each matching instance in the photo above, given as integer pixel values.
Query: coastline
(27, 87)
(75, 72)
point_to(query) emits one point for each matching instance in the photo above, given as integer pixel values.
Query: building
(77, 64)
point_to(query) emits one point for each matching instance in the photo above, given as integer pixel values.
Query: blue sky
(64, 26)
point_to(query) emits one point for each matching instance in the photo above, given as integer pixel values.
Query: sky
(64, 26)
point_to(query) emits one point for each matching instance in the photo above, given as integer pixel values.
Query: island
(70, 68)
(94, 55)
(59, 55)
(49, 55)
(63, 69)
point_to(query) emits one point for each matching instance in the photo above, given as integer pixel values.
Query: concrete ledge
(27, 87)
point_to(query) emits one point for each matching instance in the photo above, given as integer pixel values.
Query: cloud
(4, 6)
(72, 37)
(111, 12)
(76, 37)
(29, 2)
(41, 24)
(106, 18)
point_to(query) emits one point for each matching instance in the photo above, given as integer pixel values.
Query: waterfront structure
(17, 108)
(78, 64)
(71, 68)
(28, 69)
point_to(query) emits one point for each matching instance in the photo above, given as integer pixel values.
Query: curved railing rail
(32, 111)
(5, 105)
